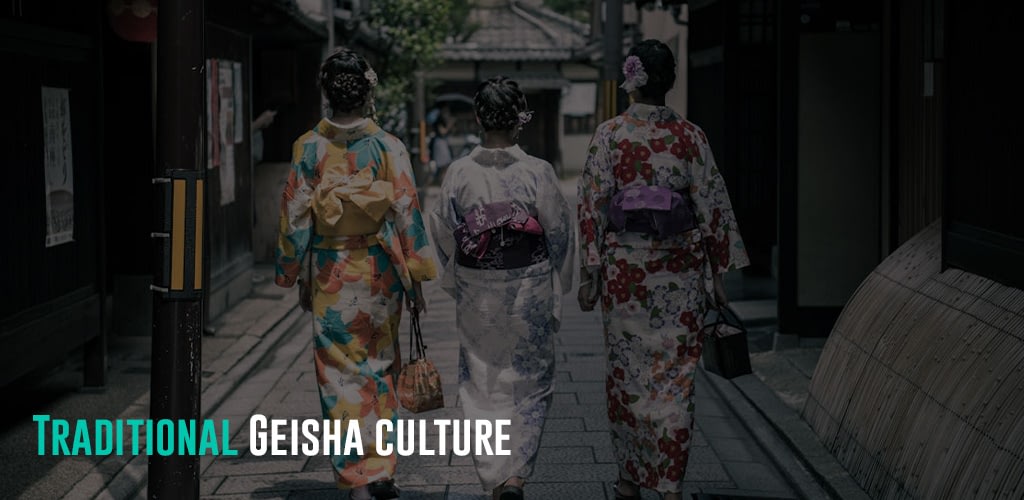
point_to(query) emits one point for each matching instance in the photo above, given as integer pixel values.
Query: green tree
(412, 32)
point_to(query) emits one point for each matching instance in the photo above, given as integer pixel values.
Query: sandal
(385, 489)
(509, 492)
(618, 492)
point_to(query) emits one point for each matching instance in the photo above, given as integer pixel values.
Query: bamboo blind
(919, 391)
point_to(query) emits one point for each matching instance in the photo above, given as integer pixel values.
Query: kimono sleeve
(555, 217)
(409, 220)
(594, 190)
(295, 222)
(718, 227)
(443, 221)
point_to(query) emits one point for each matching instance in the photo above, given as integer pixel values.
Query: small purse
(725, 345)
(419, 383)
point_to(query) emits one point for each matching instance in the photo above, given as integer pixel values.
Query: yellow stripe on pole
(199, 235)
(424, 154)
(178, 235)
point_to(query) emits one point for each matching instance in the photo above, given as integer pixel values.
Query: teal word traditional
(133, 436)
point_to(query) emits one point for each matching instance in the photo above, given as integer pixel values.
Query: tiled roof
(518, 33)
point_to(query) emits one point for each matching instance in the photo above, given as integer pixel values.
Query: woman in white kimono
(505, 235)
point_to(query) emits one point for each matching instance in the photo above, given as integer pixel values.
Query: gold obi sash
(351, 205)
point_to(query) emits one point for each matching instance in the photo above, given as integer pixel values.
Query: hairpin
(636, 77)
(371, 76)
(524, 117)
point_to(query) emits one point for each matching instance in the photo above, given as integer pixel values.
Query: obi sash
(653, 210)
(500, 235)
(351, 205)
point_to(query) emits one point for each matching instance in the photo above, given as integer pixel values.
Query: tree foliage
(412, 32)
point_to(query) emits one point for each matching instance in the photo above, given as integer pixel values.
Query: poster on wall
(224, 125)
(226, 120)
(59, 175)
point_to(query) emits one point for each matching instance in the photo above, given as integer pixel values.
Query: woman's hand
(589, 292)
(720, 299)
(415, 300)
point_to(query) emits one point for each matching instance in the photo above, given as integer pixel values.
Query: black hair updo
(660, 66)
(498, 104)
(344, 81)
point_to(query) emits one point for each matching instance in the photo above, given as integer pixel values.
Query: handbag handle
(726, 316)
(417, 349)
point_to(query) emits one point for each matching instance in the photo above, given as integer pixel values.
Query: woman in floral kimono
(657, 230)
(506, 239)
(351, 201)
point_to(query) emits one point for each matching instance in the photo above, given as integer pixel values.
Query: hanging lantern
(133, 20)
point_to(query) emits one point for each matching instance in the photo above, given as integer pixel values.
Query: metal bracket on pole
(182, 234)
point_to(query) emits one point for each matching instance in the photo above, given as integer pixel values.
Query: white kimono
(507, 317)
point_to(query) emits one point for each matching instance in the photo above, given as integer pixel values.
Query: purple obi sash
(653, 210)
(500, 235)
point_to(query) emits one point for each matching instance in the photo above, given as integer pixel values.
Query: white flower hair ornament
(371, 76)
(634, 72)
(524, 117)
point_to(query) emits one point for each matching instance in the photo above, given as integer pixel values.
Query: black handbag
(725, 345)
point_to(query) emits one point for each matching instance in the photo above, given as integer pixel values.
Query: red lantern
(133, 20)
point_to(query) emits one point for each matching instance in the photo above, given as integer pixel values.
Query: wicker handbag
(419, 383)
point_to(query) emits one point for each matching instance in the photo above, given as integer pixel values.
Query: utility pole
(179, 279)
(612, 58)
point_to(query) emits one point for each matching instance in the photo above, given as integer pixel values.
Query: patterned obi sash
(653, 210)
(500, 235)
(351, 205)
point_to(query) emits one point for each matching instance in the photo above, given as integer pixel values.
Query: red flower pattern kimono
(655, 292)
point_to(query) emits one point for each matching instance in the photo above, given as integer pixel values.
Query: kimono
(351, 200)
(506, 318)
(654, 291)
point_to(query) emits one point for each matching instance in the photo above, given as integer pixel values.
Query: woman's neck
(650, 101)
(345, 118)
(496, 139)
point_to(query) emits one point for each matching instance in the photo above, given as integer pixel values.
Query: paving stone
(733, 450)
(573, 438)
(719, 427)
(557, 473)
(225, 466)
(565, 490)
(565, 455)
(257, 483)
(755, 476)
(706, 472)
(208, 485)
(449, 474)
(563, 425)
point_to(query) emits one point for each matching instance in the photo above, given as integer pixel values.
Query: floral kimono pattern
(655, 292)
(506, 318)
(351, 201)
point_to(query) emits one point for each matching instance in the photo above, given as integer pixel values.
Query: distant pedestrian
(261, 122)
(441, 148)
(506, 239)
(657, 231)
(351, 201)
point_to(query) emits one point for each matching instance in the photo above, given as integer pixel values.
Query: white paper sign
(59, 175)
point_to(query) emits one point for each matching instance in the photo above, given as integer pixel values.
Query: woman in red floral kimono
(657, 230)
(351, 201)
